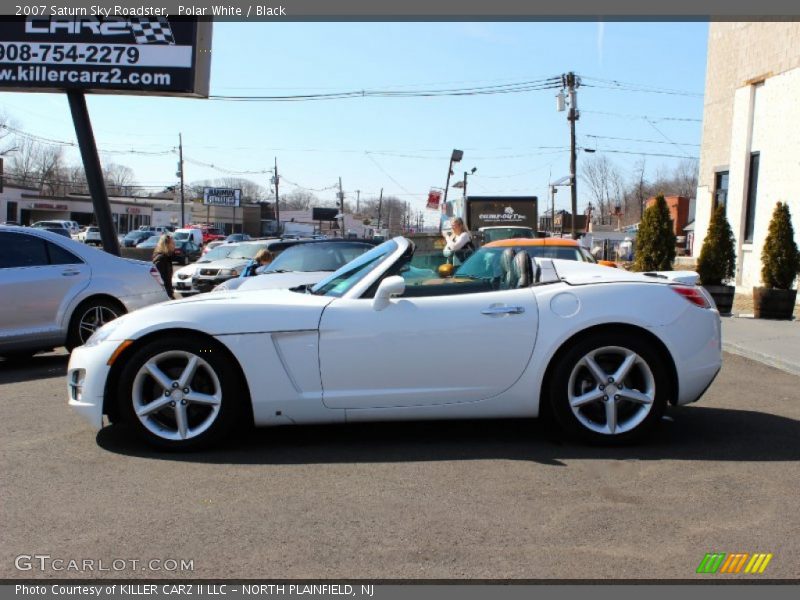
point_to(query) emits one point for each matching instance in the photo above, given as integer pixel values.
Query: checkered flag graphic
(150, 30)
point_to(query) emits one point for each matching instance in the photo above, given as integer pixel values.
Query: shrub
(655, 242)
(780, 259)
(717, 260)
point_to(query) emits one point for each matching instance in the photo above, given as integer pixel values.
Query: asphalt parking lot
(429, 500)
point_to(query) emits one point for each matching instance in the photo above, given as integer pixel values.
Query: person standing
(458, 241)
(162, 260)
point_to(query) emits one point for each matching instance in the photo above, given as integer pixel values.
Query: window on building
(721, 189)
(11, 211)
(752, 193)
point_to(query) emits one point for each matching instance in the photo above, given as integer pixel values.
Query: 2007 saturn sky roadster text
(605, 350)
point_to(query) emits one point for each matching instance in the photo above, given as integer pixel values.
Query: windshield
(485, 263)
(217, 253)
(138, 234)
(316, 257)
(339, 283)
(182, 235)
(504, 233)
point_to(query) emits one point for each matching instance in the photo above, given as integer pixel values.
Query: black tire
(231, 405)
(79, 325)
(656, 384)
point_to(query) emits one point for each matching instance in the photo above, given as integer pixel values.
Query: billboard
(124, 55)
(213, 196)
(494, 211)
(324, 214)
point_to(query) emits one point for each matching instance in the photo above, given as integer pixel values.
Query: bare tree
(299, 200)
(118, 179)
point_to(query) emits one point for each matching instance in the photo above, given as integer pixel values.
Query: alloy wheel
(93, 319)
(611, 390)
(176, 395)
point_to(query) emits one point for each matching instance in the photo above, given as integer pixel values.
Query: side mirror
(389, 287)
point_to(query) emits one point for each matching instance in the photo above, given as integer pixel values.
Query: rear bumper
(137, 301)
(695, 342)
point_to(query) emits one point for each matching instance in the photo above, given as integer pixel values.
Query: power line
(608, 137)
(509, 88)
(614, 84)
(645, 117)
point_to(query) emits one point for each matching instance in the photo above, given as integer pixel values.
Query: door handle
(503, 310)
(70, 273)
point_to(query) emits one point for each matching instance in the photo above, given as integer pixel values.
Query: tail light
(156, 275)
(693, 294)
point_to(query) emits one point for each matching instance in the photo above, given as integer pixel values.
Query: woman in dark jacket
(162, 259)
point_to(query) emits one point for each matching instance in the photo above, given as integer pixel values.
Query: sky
(517, 142)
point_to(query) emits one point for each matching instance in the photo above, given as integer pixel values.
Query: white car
(604, 350)
(57, 292)
(91, 235)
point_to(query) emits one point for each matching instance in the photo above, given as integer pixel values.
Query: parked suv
(58, 292)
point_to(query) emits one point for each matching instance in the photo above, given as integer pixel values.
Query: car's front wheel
(180, 394)
(609, 388)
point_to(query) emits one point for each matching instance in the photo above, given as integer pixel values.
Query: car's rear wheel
(180, 394)
(90, 316)
(609, 389)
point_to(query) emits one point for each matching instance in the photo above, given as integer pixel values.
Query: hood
(225, 263)
(226, 314)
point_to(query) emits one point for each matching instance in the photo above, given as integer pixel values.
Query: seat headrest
(523, 269)
(508, 278)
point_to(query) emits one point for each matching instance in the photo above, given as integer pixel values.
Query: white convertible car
(601, 349)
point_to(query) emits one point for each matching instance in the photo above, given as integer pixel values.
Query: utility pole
(553, 209)
(455, 157)
(380, 203)
(358, 201)
(340, 196)
(276, 180)
(180, 171)
(573, 115)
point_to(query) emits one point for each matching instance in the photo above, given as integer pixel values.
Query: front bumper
(206, 284)
(86, 380)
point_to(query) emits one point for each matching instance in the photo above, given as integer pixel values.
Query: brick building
(750, 154)
(678, 212)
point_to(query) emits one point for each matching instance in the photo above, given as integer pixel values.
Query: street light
(455, 157)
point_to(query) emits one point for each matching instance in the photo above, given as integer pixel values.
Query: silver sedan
(56, 292)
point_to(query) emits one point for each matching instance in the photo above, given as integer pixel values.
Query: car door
(425, 350)
(38, 280)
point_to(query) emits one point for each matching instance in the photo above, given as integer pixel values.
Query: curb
(771, 361)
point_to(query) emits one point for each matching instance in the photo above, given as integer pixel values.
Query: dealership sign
(492, 212)
(152, 55)
(213, 196)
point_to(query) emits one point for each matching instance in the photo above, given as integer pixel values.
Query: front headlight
(101, 334)
(228, 273)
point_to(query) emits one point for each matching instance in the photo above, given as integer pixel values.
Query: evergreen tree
(655, 242)
(780, 258)
(717, 261)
